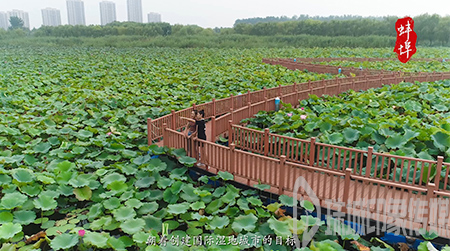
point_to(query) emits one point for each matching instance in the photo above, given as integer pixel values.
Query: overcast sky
(214, 13)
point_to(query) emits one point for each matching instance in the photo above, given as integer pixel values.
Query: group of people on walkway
(196, 124)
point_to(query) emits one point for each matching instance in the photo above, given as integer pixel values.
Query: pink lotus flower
(302, 116)
(81, 232)
(290, 114)
(303, 108)
(109, 133)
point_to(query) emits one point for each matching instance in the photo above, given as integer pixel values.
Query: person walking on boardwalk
(201, 134)
(191, 128)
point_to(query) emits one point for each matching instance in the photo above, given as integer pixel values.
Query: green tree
(16, 23)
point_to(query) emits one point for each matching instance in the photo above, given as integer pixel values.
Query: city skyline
(51, 17)
(20, 14)
(134, 8)
(75, 12)
(107, 12)
(4, 23)
(154, 17)
(210, 14)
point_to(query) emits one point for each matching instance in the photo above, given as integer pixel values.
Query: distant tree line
(431, 30)
(272, 19)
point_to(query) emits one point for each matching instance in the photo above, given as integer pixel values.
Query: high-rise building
(51, 17)
(107, 12)
(135, 11)
(4, 22)
(154, 17)
(22, 15)
(75, 12)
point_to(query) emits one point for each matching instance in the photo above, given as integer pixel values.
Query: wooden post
(230, 132)
(312, 150)
(233, 159)
(249, 110)
(173, 120)
(214, 107)
(339, 86)
(279, 91)
(266, 141)
(213, 129)
(430, 195)
(437, 179)
(232, 114)
(369, 161)
(281, 182)
(348, 173)
(149, 131)
(266, 104)
(232, 101)
(265, 92)
(166, 136)
(194, 106)
(248, 97)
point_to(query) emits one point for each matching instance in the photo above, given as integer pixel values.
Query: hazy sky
(213, 13)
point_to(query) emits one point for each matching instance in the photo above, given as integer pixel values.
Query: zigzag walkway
(398, 204)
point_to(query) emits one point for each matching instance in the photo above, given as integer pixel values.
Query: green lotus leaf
(111, 203)
(262, 186)
(180, 208)
(335, 138)
(132, 226)
(197, 205)
(141, 237)
(141, 160)
(274, 207)
(84, 193)
(350, 134)
(281, 228)
(99, 223)
(396, 141)
(23, 175)
(441, 140)
(225, 175)
(145, 182)
(124, 213)
(287, 200)
(187, 161)
(254, 201)
(308, 205)
(84, 134)
(24, 217)
(148, 208)
(117, 186)
(128, 154)
(8, 230)
(244, 222)
(109, 178)
(6, 217)
(45, 179)
(32, 190)
(214, 206)
(45, 203)
(219, 222)
(98, 240)
(42, 147)
(133, 203)
(12, 200)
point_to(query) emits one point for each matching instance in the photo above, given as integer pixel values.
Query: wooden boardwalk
(392, 202)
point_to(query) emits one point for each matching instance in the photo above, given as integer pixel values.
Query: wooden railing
(344, 174)
(350, 189)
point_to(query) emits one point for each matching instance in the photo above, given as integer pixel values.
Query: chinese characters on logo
(405, 46)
